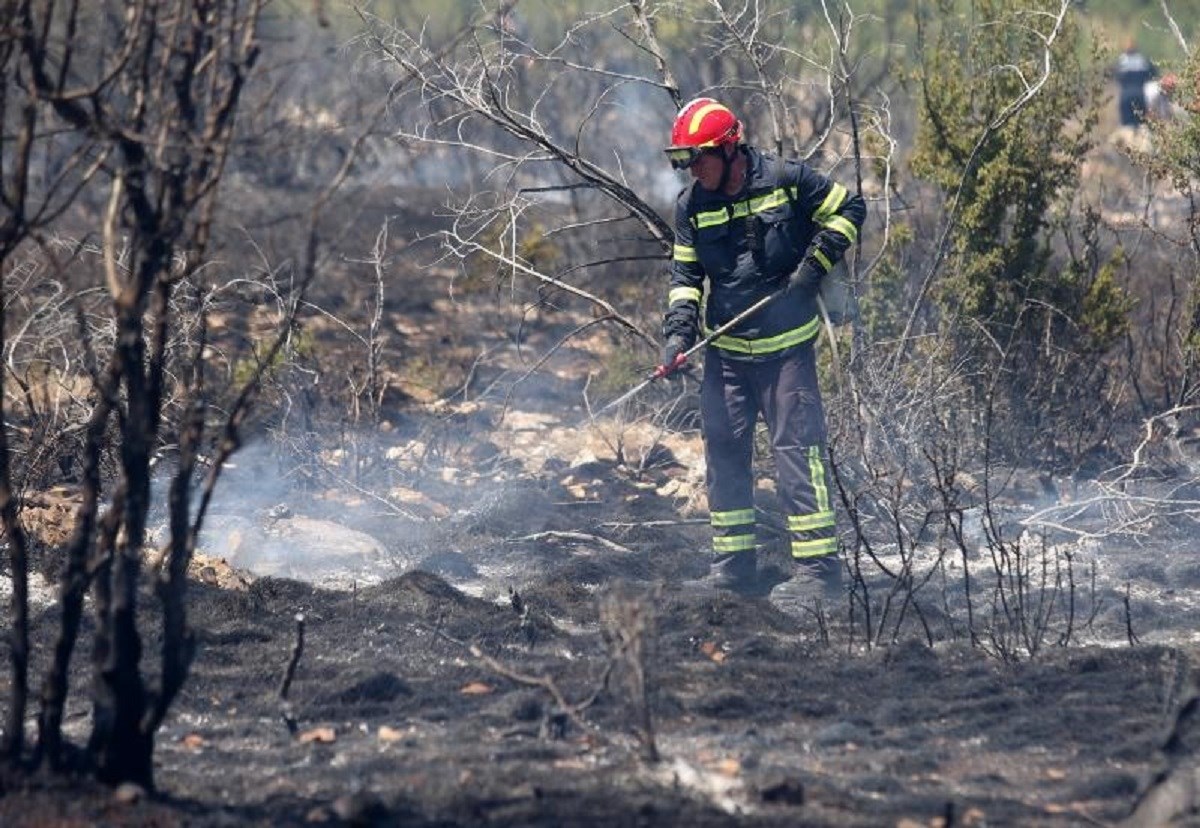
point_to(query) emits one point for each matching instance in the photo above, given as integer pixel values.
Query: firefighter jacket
(747, 245)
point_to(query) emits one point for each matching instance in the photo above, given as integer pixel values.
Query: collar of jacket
(760, 191)
(761, 176)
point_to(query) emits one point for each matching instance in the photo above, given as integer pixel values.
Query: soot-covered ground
(612, 689)
(505, 628)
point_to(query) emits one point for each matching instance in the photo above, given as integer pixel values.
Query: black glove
(675, 348)
(806, 277)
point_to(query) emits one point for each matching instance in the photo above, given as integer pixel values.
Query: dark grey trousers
(785, 392)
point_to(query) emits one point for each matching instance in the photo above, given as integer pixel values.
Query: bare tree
(145, 96)
(32, 194)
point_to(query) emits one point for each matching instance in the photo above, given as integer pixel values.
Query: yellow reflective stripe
(814, 548)
(824, 215)
(816, 473)
(766, 202)
(831, 204)
(805, 523)
(733, 543)
(843, 225)
(698, 116)
(823, 259)
(770, 344)
(737, 517)
(710, 218)
(741, 209)
(683, 294)
(684, 253)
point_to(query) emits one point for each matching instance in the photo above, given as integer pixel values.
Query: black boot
(814, 579)
(736, 572)
(830, 572)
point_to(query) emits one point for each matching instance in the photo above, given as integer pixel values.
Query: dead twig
(1130, 635)
(289, 717)
(627, 622)
(581, 537)
(653, 524)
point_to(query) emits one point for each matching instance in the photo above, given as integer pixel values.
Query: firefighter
(752, 224)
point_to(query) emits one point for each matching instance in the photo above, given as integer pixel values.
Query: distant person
(1134, 71)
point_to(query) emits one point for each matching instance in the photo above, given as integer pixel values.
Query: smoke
(259, 521)
(342, 537)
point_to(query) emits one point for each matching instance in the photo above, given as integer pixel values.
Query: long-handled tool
(664, 370)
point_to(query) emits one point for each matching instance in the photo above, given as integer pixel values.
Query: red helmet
(705, 123)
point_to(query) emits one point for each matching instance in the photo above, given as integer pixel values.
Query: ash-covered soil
(503, 626)
(537, 658)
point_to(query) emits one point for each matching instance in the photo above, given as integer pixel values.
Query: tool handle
(737, 320)
(664, 370)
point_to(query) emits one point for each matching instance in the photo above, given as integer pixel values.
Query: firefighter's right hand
(674, 356)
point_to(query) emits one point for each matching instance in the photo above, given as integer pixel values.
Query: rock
(129, 793)
(303, 548)
(218, 572)
(424, 505)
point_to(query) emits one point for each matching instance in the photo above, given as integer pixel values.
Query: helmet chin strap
(726, 168)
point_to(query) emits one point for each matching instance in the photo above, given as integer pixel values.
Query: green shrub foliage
(1005, 125)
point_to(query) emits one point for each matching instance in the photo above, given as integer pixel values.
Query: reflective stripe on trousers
(785, 392)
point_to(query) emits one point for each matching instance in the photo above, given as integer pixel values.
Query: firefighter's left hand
(806, 277)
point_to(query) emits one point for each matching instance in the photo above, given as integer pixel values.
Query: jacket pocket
(782, 246)
(717, 248)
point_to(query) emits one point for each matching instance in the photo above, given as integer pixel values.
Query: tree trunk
(18, 557)
(118, 748)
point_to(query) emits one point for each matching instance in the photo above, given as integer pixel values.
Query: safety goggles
(683, 157)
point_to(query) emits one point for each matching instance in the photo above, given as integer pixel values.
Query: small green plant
(303, 346)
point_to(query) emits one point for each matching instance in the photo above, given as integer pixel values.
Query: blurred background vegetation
(1111, 21)
(466, 177)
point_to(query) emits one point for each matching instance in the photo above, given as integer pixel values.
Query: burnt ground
(614, 691)
(433, 697)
